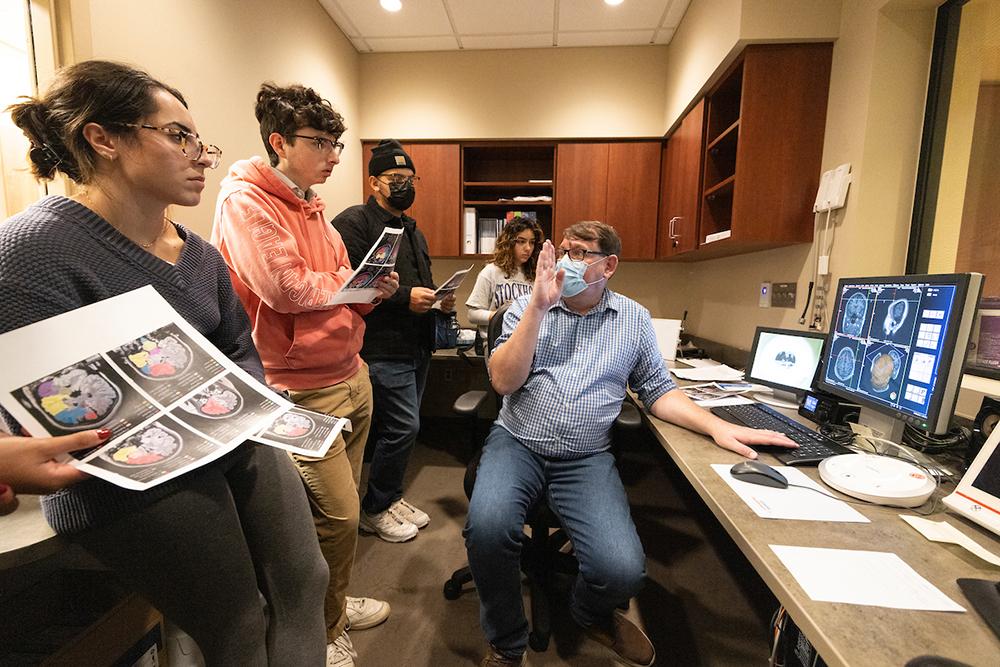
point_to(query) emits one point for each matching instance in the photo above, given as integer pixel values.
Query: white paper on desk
(940, 531)
(769, 502)
(716, 373)
(870, 578)
(699, 363)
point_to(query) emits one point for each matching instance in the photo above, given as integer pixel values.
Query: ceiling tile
(594, 15)
(417, 18)
(336, 12)
(664, 35)
(486, 17)
(606, 38)
(532, 41)
(398, 44)
(675, 13)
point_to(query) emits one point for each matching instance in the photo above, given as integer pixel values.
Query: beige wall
(593, 92)
(228, 48)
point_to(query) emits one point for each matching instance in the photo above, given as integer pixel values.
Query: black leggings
(203, 556)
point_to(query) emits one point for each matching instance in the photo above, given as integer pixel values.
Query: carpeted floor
(702, 605)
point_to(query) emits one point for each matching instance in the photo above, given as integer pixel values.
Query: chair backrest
(495, 327)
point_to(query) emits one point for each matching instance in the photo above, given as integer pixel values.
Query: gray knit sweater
(59, 255)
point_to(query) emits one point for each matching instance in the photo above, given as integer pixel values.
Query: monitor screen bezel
(931, 422)
(785, 332)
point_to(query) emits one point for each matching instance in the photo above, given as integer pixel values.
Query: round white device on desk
(878, 479)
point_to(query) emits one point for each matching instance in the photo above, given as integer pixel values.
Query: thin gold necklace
(147, 246)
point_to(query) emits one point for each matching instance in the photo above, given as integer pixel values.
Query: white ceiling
(450, 25)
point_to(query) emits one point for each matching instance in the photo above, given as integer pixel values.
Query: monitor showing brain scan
(888, 340)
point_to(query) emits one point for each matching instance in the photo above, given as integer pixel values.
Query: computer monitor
(785, 360)
(897, 347)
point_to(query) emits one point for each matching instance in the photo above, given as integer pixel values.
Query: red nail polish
(4, 489)
(104, 433)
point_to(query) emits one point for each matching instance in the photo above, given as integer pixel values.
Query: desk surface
(846, 634)
(25, 536)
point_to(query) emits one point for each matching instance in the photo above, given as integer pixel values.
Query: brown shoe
(497, 659)
(630, 644)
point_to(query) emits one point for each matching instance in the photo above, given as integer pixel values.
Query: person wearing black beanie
(399, 338)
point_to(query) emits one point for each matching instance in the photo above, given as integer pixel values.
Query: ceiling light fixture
(394, 5)
(613, 3)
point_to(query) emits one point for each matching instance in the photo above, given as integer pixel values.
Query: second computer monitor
(786, 361)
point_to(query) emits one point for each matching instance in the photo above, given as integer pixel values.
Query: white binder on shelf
(469, 232)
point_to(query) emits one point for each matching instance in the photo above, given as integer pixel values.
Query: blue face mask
(573, 282)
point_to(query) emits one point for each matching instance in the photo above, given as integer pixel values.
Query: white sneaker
(340, 652)
(364, 613)
(407, 511)
(388, 525)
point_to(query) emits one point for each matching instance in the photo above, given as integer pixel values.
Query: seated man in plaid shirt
(563, 361)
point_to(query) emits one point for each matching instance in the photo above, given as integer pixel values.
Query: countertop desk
(846, 634)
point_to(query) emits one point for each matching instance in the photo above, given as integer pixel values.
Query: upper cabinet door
(437, 207)
(581, 185)
(680, 185)
(633, 188)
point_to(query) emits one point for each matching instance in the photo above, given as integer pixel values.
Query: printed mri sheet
(172, 401)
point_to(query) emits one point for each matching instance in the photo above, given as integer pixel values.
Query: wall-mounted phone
(833, 187)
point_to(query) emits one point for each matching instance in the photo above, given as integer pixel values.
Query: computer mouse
(756, 472)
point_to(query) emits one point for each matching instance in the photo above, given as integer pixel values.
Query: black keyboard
(812, 448)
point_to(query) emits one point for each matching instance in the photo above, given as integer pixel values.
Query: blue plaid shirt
(577, 382)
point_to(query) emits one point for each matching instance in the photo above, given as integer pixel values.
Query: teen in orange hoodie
(286, 262)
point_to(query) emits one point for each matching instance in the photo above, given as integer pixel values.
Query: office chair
(544, 554)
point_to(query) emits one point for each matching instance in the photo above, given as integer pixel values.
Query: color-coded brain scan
(76, 398)
(362, 279)
(216, 401)
(152, 445)
(292, 425)
(158, 357)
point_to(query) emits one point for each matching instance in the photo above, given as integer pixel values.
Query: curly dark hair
(94, 91)
(503, 254)
(286, 109)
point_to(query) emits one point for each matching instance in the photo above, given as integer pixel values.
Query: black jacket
(392, 330)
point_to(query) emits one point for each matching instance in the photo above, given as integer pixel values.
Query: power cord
(929, 443)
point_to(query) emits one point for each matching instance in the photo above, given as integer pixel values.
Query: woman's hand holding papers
(28, 465)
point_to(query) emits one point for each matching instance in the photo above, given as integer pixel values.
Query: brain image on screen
(159, 358)
(151, 445)
(784, 358)
(843, 367)
(854, 314)
(292, 425)
(885, 368)
(216, 401)
(896, 316)
(75, 398)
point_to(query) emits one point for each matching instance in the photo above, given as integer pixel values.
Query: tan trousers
(332, 485)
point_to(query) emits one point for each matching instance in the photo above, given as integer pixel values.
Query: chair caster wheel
(452, 590)
(538, 643)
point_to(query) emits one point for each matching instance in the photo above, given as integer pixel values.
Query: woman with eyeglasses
(510, 274)
(228, 551)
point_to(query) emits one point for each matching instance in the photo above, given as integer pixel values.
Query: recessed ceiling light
(613, 3)
(395, 5)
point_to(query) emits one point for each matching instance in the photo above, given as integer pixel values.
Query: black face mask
(401, 196)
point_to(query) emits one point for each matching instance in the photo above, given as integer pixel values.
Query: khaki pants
(332, 485)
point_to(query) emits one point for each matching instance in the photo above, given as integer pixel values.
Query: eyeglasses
(191, 145)
(578, 254)
(398, 180)
(322, 144)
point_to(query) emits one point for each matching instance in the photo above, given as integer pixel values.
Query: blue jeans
(588, 497)
(397, 386)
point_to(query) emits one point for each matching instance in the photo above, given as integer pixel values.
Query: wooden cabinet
(680, 186)
(763, 141)
(500, 180)
(614, 182)
(437, 204)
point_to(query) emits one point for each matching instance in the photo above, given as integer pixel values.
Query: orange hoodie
(286, 262)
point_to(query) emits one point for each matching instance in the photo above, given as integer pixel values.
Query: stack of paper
(718, 373)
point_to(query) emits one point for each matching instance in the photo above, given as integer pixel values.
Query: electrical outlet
(764, 297)
(783, 295)
(448, 375)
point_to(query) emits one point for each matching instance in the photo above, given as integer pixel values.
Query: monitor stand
(777, 398)
(882, 426)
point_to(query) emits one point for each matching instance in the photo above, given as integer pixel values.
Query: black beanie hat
(389, 154)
